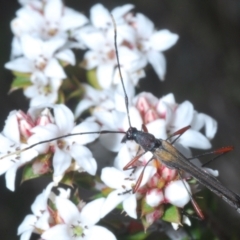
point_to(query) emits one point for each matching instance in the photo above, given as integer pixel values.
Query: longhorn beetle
(163, 151)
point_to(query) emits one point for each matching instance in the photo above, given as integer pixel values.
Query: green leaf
(76, 197)
(172, 214)
(43, 163)
(138, 236)
(21, 82)
(68, 179)
(92, 78)
(145, 208)
(84, 180)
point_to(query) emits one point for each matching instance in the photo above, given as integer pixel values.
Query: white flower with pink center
(17, 131)
(167, 116)
(65, 149)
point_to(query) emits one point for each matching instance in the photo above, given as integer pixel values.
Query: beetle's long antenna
(119, 69)
(54, 139)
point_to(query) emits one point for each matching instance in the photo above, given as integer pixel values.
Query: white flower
(101, 17)
(94, 97)
(177, 194)
(67, 148)
(167, 116)
(39, 59)
(46, 19)
(152, 42)
(123, 182)
(115, 120)
(39, 220)
(10, 143)
(78, 225)
(43, 93)
(101, 54)
(102, 57)
(154, 197)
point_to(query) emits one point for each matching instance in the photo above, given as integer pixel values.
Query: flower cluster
(22, 130)
(47, 141)
(41, 47)
(45, 33)
(56, 216)
(161, 185)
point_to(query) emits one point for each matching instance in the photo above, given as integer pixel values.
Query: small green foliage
(84, 180)
(138, 236)
(21, 81)
(38, 167)
(68, 179)
(145, 207)
(92, 78)
(172, 214)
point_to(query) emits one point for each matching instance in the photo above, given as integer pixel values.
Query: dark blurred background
(203, 67)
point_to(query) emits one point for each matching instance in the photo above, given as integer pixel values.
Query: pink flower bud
(168, 174)
(45, 118)
(142, 105)
(41, 165)
(150, 116)
(153, 216)
(25, 124)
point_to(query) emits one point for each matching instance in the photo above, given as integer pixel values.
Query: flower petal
(61, 162)
(59, 232)
(130, 205)
(11, 128)
(105, 75)
(54, 69)
(67, 210)
(85, 127)
(66, 55)
(10, 177)
(90, 213)
(183, 115)
(64, 118)
(40, 203)
(72, 19)
(119, 12)
(112, 177)
(27, 225)
(158, 128)
(154, 197)
(177, 194)
(53, 10)
(158, 62)
(112, 200)
(203, 120)
(194, 139)
(96, 231)
(20, 64)
(145, 26)
(100, 16)
(83, 157)
(163, 40)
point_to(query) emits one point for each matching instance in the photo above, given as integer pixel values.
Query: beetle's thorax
(146, 140)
